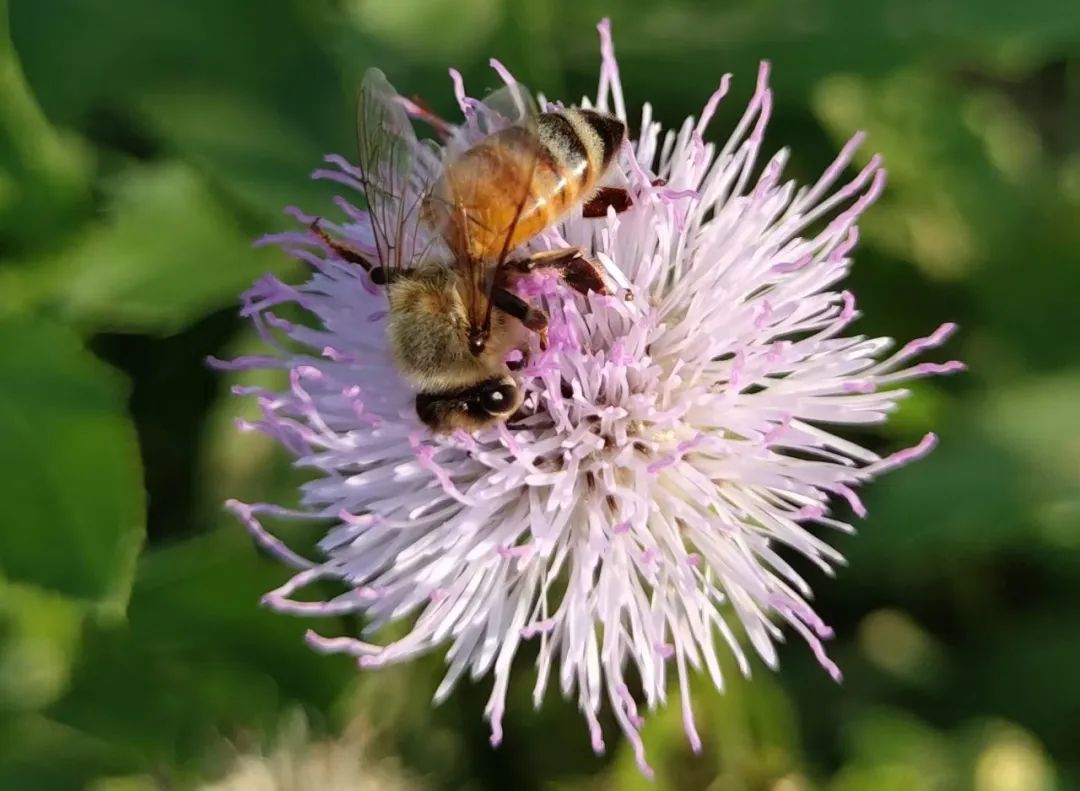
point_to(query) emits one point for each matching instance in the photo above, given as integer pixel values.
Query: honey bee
(445, 228)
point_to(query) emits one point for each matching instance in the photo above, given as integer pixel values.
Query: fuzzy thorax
(429, 332)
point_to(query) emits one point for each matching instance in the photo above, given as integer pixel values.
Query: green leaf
(39, 636)
(37, 753)
(72, 488)
(972, 199)
(244, 91)
(1017, 671)
(748, 733)
(44, 175)
(198, 664)
(1038, 420)
(1004, 474)
(948, 202)
(453, 27)
(257, 156)
(671, 53)
(143, 782)
(168, 251)
(887, 737)
(942, 515)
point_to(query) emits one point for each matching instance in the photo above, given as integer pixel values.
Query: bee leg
(346, 253)
(532, 318)
(615, 197)
(424, 112)
(570, 265)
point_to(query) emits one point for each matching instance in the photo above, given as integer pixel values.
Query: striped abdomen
(546, 171)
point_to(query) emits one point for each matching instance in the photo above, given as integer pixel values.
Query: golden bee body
(453, 323)
(555, 166)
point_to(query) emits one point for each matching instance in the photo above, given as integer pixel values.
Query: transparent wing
(395, 173)
(493, 159)
(510, 105)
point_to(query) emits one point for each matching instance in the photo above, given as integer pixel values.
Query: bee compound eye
(497, 400)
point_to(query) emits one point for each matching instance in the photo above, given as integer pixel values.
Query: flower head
(347, 763)
(675, 446)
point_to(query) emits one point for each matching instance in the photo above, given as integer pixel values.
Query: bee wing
(395, 173)
(510, 107)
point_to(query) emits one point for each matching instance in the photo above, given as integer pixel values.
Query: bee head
(470, 408)
(498, 399)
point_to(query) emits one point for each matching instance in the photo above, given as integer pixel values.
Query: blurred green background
(143, 145)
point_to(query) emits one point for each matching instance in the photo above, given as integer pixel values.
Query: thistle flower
(347, 763)
(675, 446)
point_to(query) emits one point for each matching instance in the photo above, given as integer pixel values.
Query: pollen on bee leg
(607, 197)
(570, 265)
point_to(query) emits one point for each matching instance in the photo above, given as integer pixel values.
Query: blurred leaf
(944, 194)
(748, 734)
(242, 89)
(673, 53)
(168, 252)
(1019, 672)
(892, 749)
(981, 490)
(248, 150)
(39, 636)
(1038, 420)
(137, 47)
(971, 195)
(71, 486)
(1027, 300)
(130, 783)
(199, 665)
(452, 27)
(887, 777)
(884, 739)
(44, 176)
(957, 506)
(39, 754)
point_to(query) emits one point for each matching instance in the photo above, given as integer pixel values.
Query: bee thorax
(428, 329)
